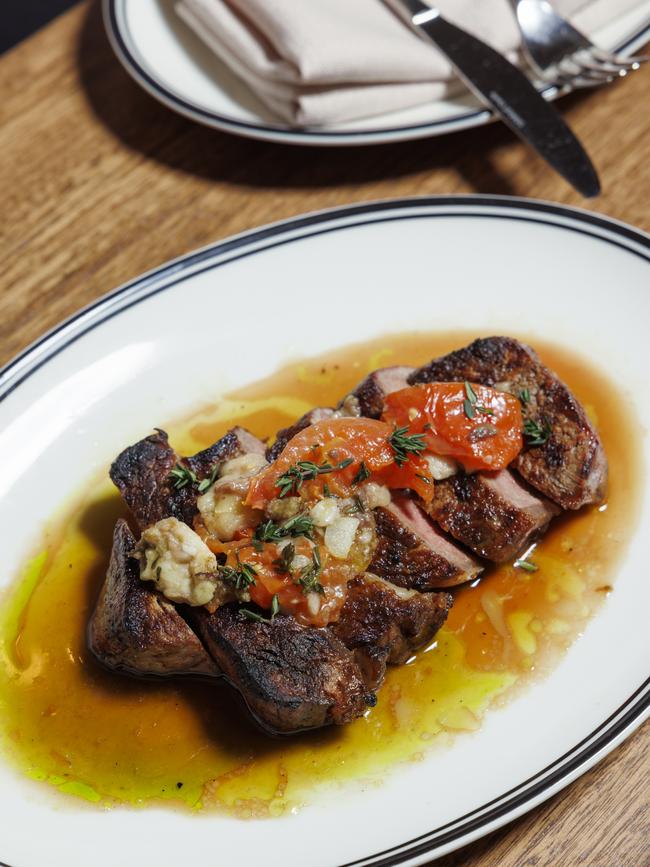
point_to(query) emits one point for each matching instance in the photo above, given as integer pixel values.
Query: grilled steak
(491, 513)
(384, 624)
(368, 397)
(412, 553)
(570, 466)
(287, 433)
(291, 677)
(134, 628)
(142, 474)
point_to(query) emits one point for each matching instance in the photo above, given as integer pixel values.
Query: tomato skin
(335, 441)
(438, 410)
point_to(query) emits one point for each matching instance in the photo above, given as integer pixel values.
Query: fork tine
(580, 76)
(615, 61)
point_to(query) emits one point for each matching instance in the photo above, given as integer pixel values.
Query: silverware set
(558, 53)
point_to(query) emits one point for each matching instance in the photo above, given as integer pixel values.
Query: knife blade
(507, 91)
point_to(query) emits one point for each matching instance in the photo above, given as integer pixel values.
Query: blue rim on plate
(118, 32)
(632, 712)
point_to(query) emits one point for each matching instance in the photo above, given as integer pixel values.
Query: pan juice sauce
(112, 739)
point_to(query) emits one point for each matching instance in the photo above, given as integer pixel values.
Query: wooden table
(99, 183)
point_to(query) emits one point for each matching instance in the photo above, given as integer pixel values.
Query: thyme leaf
(292, 481)
(404, 444)
(526, 565)
(181, 476)
(363, 473)
(537, 434)
(206, 484)
(258, 618)
(309, 576)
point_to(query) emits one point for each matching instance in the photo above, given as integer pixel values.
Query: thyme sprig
(362, 474)
(310, 574)
(181, 476)
(269, 531)
(471, 404)
(206, 484)
(404, 444)
(292, 481)
(240, 578)
(537, 434)
(258, 618)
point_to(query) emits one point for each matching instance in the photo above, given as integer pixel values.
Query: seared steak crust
(571, 466)
(384, 624)
(287, 433)
(134, 628)
(490, 513)
(142, 474)
(404, 558)
(291, 677)
(370, 394)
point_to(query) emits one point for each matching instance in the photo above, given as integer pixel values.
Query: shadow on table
(144, 125)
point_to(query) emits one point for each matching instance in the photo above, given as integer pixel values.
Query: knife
(507, 91)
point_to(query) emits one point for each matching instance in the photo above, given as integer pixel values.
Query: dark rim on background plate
(284, 133)
(630, 714)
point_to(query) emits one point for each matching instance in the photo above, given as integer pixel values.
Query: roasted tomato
(335, 454)
(477, 425)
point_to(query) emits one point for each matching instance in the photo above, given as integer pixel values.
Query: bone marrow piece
(569, 466)
(136, 629)
(291, 677)
(492, 513)
(413, 553)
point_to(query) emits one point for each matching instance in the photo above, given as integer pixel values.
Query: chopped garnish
(292, 480)
(241, 578)
(363, 473)
(537, 434)
(404, 444)
(182, 476)
(269, 531)
(283, 563)
(309, 576)
(524, 396)
(206, 484)
(526, 565)
(253, 615)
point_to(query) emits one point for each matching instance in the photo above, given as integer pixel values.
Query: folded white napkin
(317, 62)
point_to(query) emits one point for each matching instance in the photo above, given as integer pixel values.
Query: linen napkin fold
(320, 62)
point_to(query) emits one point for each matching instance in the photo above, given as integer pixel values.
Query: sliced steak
(135, 629)
(287, 433)
(411, 552)
(570, 467)
(383, 624)
(142, 474)
(369, 396)
(491, 513)
(291, 677)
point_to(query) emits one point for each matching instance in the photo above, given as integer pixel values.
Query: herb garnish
(304, 471)
(269, 531)
(241, 578)
(363, 473)
(526, 565)
(309, 576)
(206, 484)
(283, 563)
(537, 434)
(404, 444)
(253, 615)
(471, 404)
(524, 396)
(182, 476)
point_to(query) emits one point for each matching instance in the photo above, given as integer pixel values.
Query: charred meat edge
(570, 466)
(135, 629)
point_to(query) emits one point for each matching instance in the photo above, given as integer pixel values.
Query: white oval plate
(174, 66)
(140, 356)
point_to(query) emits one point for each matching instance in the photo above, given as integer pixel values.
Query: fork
(562, 55)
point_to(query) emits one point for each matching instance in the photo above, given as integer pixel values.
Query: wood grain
(100, 183)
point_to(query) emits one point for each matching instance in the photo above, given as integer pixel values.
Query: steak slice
(383, 624)
(292, 677)
(411, 552)
(570, 467)
(368, 397)
(135, 629)
(491, 513)
(287, 433)
(142, 474)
